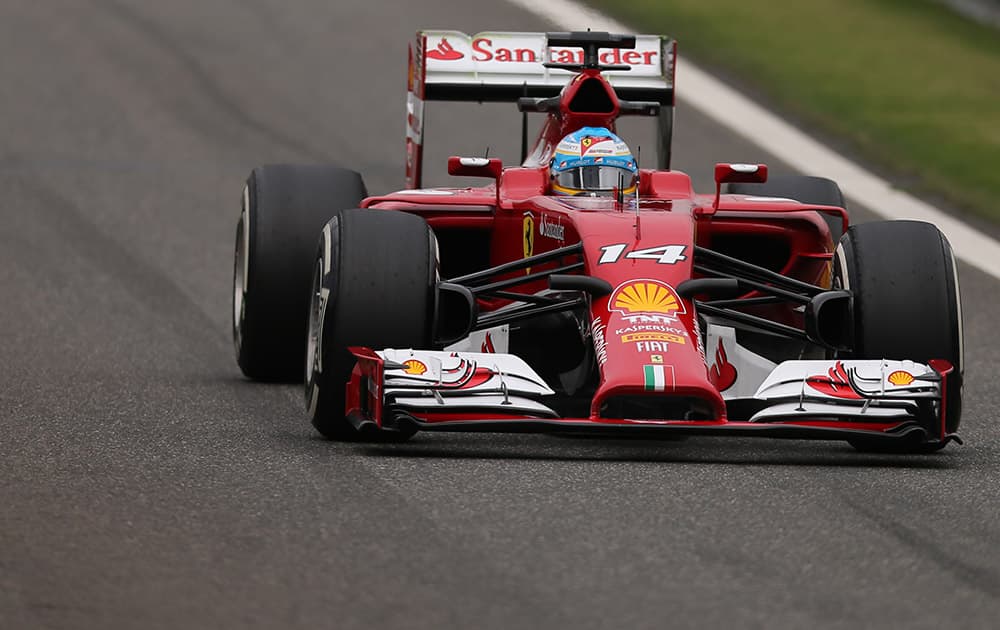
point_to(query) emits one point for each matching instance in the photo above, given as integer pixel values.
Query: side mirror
(475, 167)
(740, 173)
(726, 173)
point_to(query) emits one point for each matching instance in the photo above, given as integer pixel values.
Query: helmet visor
(595, 177)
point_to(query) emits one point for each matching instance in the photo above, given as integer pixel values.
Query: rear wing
(508, 66)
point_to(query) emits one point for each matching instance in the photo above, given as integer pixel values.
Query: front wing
(405, 390)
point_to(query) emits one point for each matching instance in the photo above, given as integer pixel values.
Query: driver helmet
(593, 161)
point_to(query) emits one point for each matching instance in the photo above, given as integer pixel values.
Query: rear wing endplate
(506, 66)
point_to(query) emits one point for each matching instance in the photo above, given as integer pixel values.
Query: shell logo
(414, 367)
(899, 377)
(646, 296)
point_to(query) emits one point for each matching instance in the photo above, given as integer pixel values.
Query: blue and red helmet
(593, 161)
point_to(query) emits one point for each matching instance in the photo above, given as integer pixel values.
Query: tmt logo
(646, 301)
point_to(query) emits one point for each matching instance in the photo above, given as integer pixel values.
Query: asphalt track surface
(146, 484)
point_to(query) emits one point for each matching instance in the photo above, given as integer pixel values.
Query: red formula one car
(559, 298)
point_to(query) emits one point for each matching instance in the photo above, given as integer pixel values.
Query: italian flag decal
(655, 377)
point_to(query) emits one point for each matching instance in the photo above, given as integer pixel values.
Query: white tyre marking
(845, 281)
(314, 400)
(327, 246)
(324, 299)
(958, 301)
(246, 236)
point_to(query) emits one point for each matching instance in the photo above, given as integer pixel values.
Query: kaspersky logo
(646, 300)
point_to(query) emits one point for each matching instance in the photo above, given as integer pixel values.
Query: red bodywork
(506, 217)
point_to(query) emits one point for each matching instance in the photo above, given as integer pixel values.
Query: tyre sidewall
(284, 207)
(906, 299)
(356, 310)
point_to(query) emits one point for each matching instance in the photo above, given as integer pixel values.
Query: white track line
(731, 109)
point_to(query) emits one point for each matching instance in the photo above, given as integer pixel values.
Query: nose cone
(646, 336)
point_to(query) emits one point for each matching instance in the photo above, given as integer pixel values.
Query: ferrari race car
(645, 309)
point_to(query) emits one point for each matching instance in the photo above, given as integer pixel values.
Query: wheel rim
(314, 339)
(239, 285)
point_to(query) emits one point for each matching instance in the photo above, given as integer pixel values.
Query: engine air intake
(592, 98)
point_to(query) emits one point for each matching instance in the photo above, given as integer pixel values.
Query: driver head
(593, 161)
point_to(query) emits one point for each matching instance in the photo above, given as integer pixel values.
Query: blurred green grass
(907, 84)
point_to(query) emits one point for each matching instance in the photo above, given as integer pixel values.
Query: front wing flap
(847, 390)
(469, 391)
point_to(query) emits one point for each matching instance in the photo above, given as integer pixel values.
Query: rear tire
(802, 188)
(906, 305)
(374, 277)
(284, 208)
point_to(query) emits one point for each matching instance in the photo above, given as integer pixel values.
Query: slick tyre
(374, 277)
(803, 188)
(284, 208)
(906, 305)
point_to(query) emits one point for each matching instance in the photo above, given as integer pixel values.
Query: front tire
(907, 305)
(374, 277)
(284, 207)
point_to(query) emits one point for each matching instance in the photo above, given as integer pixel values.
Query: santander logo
(444, 52)
(484, 49)
(836, 382)
(488, 344)
(723, 373)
